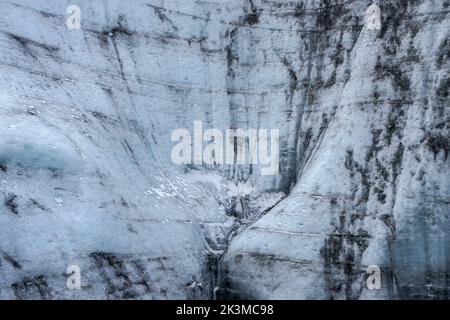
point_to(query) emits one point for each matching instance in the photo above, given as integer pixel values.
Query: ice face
(87, 179)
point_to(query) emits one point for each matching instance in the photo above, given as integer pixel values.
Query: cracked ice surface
(86, 175)
(85, 170)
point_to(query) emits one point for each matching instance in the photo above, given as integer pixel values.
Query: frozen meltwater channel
(87, 179)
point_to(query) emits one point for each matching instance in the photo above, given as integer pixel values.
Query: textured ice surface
(85, 170)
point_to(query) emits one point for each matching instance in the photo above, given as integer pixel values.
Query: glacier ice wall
(86, 176)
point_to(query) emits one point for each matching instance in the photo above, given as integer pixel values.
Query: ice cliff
(86, 176)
